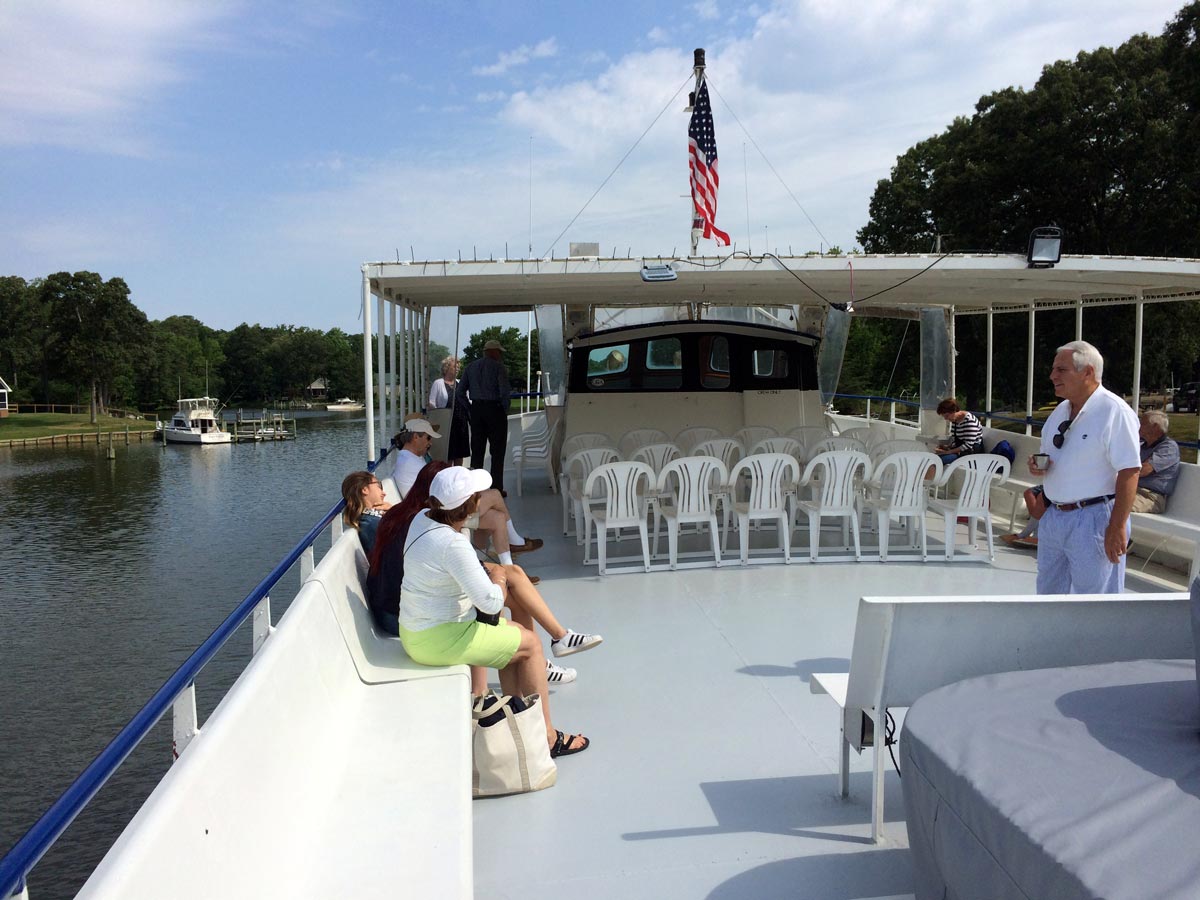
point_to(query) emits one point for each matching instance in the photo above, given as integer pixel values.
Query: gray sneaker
(558, 674)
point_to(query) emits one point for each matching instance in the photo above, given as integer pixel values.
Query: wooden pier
(267, 425)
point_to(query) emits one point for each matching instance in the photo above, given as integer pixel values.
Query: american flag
(702, 166)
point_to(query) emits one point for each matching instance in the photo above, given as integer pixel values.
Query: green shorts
(470, 643)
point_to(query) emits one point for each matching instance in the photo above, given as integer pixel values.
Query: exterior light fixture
(658, 272)
(1045, 247)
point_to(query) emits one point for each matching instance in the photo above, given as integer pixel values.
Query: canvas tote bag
(510, 753)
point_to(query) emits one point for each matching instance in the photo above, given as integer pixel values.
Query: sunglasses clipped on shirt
(1062, 433)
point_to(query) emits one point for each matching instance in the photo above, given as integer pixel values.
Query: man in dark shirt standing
(486, 384)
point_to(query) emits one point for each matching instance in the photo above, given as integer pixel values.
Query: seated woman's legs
(526, 674)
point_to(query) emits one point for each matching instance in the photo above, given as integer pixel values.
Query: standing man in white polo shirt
(1090, 459)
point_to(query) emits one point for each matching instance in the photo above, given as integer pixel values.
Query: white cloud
(519, 57)
(75, 73)
(490, 96)
(658, 35)
(706, 9)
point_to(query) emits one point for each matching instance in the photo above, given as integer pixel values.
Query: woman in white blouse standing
(444, 585)
(441, 392)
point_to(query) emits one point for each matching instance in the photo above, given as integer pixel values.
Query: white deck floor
(712, 771)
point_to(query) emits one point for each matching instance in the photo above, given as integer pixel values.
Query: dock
(266, 425)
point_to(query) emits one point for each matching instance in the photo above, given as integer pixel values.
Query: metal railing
(178, 694)
(989, 417)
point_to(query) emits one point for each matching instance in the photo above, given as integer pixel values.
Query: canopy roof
(964, 281)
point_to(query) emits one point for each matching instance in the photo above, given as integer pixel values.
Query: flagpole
(698, 69)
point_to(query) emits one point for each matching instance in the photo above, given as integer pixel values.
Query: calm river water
(111, 573)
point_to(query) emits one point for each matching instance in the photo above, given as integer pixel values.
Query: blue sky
(238, 161)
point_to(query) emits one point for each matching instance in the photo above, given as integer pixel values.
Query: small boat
(195, 422)
(345, 404)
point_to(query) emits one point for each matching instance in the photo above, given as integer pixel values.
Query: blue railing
(25, 854)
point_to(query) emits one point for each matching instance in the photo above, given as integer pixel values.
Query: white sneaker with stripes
(558, 674)
(574, 642)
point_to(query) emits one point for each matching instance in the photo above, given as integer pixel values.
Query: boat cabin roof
(964, 281)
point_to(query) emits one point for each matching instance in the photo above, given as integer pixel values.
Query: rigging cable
(619, 164)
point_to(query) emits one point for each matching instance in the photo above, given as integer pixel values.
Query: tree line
(71, 338)
(1103, 146)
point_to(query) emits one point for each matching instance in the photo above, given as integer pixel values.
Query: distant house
(318, 390)
(4, 391)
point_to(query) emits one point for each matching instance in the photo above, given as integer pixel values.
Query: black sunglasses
(1062, 431)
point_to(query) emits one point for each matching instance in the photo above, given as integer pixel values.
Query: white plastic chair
(836, 442)
(788, 445)
(640, 437)
(752, 434)
(809, 436)
(727, 450)
(626, 487)
(835, 475)
(768, 476)
(861, 433)
(884, 449)
(585, 440)
(697, 434)
(905, 496)
(535, 447)
(578, 469)
(656, 456)
(687, 490)
(980, 471)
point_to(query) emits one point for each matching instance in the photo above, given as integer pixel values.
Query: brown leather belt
(1079, 504)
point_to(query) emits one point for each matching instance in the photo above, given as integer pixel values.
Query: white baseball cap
(454, 486)
(421, 426)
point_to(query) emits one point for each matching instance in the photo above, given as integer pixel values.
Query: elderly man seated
(492, 516)
(1160, 464)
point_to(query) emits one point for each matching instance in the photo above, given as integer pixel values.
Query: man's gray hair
(1158, 419)
(1083, 355)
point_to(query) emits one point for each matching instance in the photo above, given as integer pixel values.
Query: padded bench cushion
(1065, 783)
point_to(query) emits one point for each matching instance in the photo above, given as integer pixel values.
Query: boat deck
(712, 771)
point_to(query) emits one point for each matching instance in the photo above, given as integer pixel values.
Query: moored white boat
(345, 404)
(196, 422)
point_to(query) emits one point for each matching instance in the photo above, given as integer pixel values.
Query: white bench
(905, 647)
(334, 767)
(1181, 520)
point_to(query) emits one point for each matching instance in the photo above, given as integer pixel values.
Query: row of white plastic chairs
(767, 487)
(579, 463)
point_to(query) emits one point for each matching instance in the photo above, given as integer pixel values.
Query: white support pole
(527, 404)
(260, 625)
(184, 725)
(987, 378)
(1029, 375)
(1079, 319)
(953, 361)
(380, 361)
(427, 316)
(1137, 355)
(394, 398)
(307, 563)
(406, 351)
(366, 310)
(414, 359)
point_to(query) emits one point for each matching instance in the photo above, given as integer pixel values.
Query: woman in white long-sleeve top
(444, 585)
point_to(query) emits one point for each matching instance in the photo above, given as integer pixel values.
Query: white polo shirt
(409, 466)
(1101, 441)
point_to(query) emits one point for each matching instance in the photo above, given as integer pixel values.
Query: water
(111, 573)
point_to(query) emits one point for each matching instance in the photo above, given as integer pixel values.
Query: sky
(239, 161)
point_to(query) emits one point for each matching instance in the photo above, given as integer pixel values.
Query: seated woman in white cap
(443, 587)
(416, 439)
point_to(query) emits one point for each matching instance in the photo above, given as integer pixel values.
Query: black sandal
(563, 745)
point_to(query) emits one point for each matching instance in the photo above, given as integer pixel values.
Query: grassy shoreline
(28, 426)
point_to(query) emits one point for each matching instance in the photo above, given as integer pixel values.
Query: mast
(698, 71)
